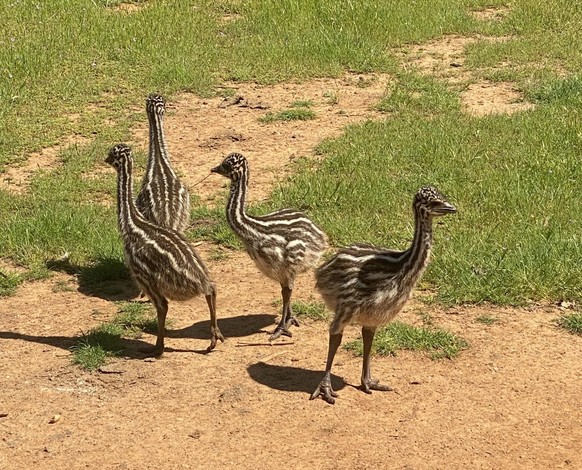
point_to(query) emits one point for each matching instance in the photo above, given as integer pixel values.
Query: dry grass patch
(490, 13)
(444, 59)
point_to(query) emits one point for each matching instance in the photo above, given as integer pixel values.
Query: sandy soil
(512, 400)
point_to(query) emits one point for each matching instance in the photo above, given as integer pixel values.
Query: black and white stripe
(369, 285)
(283, 244)
(160, 259)
(163, 199)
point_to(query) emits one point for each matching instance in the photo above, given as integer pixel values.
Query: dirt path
(512, 400)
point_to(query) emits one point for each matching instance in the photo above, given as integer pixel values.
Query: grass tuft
(312, 310)
(105, 340)
(486, 319)
(97, 345)
(571, 322)
(437, 343)
(9, 283)
(293, 114)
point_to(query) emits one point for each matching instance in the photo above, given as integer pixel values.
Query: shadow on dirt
(290, 379)
(126, 347)
(106, 278)
(232, 327)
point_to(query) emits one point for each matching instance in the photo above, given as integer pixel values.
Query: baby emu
(160, 259)
(369, 285)
(282, 244)
(163, 199)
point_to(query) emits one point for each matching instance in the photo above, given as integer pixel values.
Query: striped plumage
(160, 259)
(369, 285)
(282, 244)
(163, 199)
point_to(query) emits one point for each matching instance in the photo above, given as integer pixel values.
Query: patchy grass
(313, 310)
(486, 319)
(293, 114)
(9, 283)
(571, 322)
(105, 341)
(513, 178)
(437, 343)
(135, 318)
(96, 346)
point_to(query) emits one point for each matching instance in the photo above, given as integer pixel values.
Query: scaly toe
(374, 384)
(326, 392)
(292, 321)
(280, 331)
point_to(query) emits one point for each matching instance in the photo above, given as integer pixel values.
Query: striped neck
(235, 208)
(158, 157)
(127, 214)
(418, 255)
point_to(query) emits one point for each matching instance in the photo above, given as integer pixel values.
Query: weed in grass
(218, 254)
(486, 319)
(63, 286)
(312, 309)
(437, 343)
(571, 322)
(331, 97)
(104, 341)
(94, 347)
(136, 317)
(293, 114)
(9, 283)
(302, 104)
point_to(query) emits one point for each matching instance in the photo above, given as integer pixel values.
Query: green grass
(136, 317)
(105, 341)
(96, 346)
(82, 68)
(435, 342)
(571, 322)
(9, 283)
(293, 114)
(314, 310)
(517, 235)
(486, 319)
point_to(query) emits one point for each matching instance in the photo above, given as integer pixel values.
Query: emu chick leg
(161, 305)
(324, 388)
(286, 315)
(215, 333)
(369, 384)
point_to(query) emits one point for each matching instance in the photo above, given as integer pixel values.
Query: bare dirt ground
(512, 400)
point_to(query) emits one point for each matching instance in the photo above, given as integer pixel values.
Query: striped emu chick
(163, 199)
(160, 259)
(283, 244)
(369, 285)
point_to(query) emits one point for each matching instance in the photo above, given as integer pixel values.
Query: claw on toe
(280, 331)
(374, 384)
(326, 392)
(292, 321)
(216, 335)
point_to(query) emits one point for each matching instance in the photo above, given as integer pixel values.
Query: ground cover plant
(435, 342)
(571, 322)
(94, 347)
(514, 178)
(73, 78)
